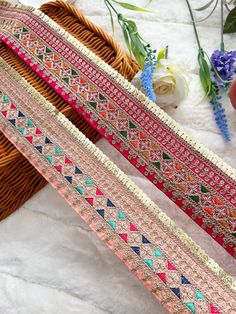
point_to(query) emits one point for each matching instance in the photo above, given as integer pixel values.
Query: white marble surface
(50, 262)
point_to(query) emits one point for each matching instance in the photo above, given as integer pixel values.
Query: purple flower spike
(224, 64)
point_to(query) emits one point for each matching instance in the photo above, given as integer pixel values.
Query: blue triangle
(20, 114)
(13, 121)
(68, 178)
(39, 148)
(47, 140)
(136, 249)
(176, 291)
(109, 203)
(185, 281)
(101, 212)
(78, 171)
(145, 240)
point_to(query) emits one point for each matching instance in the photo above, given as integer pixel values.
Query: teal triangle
(88, 181)
(40, 57)
(158, 253)
(5, 99)
(191, 306)
(149, 262)
(157, 164)
(49, 158)
(198, 295)
(112, 224)
(58, 151)
(121, 215)
(79, 189)
(101, 97)
(21, 130)
(30, 123)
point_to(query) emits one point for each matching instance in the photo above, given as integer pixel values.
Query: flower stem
(194, 24)
(222, 46)
(111, 6)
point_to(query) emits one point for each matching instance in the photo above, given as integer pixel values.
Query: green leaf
(132, 7)
(230, 23)
(204, 73)
(126, 37)
(111, 17)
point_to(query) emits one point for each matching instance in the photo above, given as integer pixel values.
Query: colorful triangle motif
(136, 249)
(89, 200)
(132, 227)
(4, 113)
(149, 262)
(213, 309)
(112, 224)
(49, 158)
(162, 276)
(21, 130)
(109, 203)
(124, 236)
(144, 239)
(101, 212)
(171, 266)
(121, 215)
(185, 281)
(98, 192)
(191, 306)
(37, 131)
(199, 295)
(12, 121)
(79, 189)
(58, 151)
(78, 171)
(67, 160)
(29, 138)
(158, 253)
(68, 178)
(59, 168)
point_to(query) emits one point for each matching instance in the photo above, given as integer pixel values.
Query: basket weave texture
(18, 178)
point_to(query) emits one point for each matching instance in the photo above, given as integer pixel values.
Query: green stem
(194, 25)
(109, 3)
(222, 46)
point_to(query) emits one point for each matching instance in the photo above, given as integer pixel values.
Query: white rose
(169, 84)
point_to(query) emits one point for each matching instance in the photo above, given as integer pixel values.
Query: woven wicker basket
(18, 178)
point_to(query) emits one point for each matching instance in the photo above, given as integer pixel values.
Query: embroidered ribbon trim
(137, 231)
(195, 179)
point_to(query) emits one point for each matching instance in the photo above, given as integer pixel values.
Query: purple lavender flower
(225, 65)
(219, 112)
(146, 79)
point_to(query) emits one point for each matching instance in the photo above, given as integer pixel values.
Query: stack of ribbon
(174, 268)
(18, 179)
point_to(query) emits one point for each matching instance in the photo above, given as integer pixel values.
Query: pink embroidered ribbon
(189, 175)
(173, 269)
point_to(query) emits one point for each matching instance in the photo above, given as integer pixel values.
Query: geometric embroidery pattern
(204, 195)
(115, 218)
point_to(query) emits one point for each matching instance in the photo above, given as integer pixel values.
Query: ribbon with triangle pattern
(196, 180)
(169, 264)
